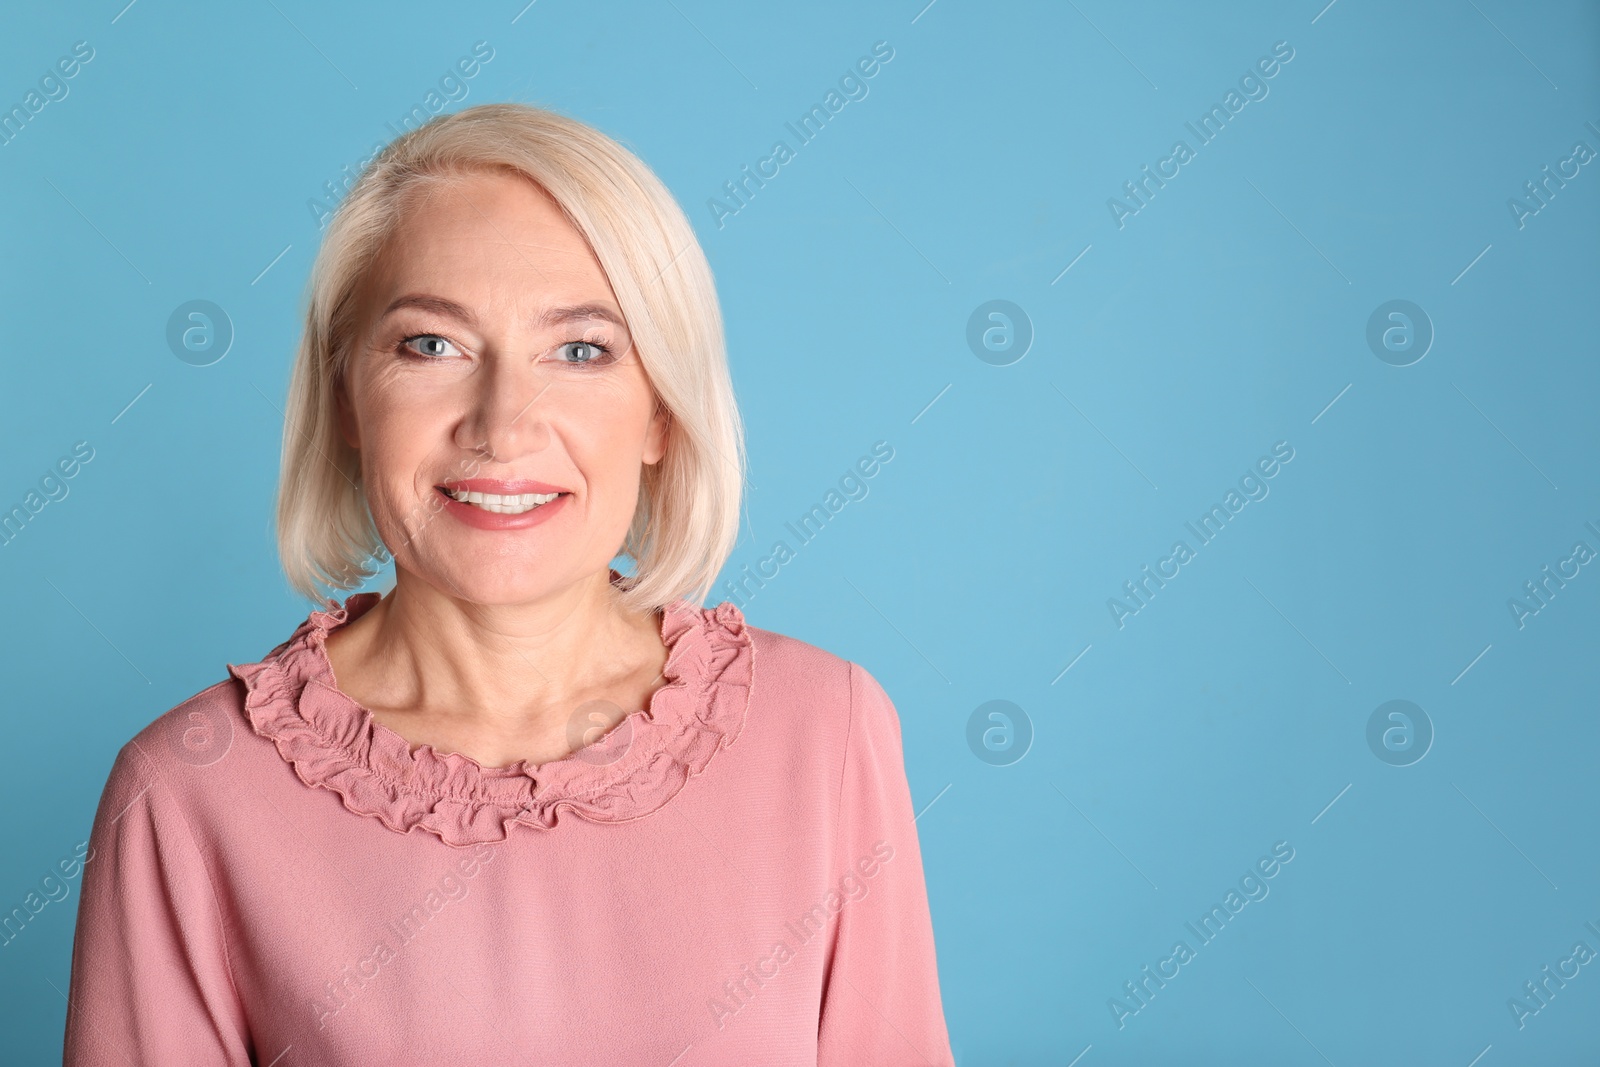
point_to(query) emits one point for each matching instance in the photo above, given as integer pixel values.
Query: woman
(521, 808)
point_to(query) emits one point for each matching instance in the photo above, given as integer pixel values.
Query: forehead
(489, 240)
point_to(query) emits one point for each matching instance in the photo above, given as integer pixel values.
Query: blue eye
(431, 339)
(592, 353)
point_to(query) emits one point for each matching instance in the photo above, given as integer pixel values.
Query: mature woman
(522, 808)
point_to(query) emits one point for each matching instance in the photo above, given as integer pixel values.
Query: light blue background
(1225, 316)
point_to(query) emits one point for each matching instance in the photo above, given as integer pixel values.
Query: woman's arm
(150, 977)
(880, 999)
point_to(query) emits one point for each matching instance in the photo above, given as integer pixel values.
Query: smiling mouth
(512, 504)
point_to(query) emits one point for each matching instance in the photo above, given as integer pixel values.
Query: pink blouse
(729, 876)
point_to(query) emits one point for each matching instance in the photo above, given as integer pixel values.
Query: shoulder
(794, 660)
(172, 748)
(834, 689)
(197, 732)
(829, 711)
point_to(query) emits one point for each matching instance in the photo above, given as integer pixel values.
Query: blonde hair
(686, 520)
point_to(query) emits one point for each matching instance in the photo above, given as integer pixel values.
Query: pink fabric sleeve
(150, 980)
(880, 1000)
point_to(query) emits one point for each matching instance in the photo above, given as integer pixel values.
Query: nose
(509, 412)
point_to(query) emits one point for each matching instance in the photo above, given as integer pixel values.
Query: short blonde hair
(686, 520)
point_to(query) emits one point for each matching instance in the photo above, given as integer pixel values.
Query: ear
(346, 414)
(655, 442)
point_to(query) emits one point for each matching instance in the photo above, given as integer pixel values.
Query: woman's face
(495, 361)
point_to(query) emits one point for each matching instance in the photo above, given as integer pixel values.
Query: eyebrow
(552, 316)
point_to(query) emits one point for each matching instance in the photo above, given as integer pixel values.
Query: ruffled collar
(334, 743)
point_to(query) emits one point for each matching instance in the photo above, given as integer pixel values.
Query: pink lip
(499, 488)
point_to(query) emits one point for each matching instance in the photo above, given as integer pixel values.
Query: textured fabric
(729, 876)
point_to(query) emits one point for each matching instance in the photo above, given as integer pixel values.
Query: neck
(499, 665)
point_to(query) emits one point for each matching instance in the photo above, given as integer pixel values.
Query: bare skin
(493, 640)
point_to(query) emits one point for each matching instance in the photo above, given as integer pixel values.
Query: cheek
(400, 436)
(606, 429)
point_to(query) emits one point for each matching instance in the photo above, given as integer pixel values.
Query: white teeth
(512, 504)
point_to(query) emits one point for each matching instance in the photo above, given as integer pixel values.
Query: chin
(497, 581)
